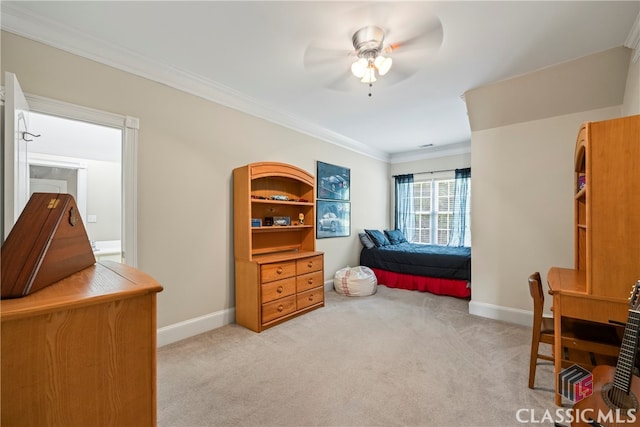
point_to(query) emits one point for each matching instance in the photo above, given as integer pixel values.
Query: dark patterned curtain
(460, 233)
(404, 214)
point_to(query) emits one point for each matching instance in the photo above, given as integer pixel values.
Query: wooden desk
(81, 351)
(570, 299)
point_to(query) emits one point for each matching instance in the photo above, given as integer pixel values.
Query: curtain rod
(418, 173)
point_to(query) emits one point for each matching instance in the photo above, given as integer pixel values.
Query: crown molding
(431, 152)
(633, 39)
(22, 22)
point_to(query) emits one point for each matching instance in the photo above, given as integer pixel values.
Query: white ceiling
(255, 56)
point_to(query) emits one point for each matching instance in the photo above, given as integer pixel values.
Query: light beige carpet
(396, 358)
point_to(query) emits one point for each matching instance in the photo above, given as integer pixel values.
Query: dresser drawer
(307, 265)
(310, 297)
(277, 271)
(278, 289)
(278, 308)
(309, 281)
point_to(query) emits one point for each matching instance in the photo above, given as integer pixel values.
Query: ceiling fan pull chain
(370, 85)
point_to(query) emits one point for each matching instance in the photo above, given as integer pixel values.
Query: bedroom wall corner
(631, 103)
(522, 207)
(502, 313)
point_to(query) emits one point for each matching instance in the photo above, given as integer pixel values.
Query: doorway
(85, 160)
(18, 107)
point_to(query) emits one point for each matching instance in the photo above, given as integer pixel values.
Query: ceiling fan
(373, 55)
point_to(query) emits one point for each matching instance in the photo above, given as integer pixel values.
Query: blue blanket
(421, 260)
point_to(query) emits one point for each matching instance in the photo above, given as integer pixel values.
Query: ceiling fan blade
(397, 74)
(344, 82)
(315, 56)
(427, 40)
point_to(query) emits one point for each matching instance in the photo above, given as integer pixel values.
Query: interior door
(16, 171)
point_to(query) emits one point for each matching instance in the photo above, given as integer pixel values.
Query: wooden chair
(585, 343)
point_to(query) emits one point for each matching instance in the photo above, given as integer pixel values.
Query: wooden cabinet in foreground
(82, 351)
(607, 205)
(279, 274)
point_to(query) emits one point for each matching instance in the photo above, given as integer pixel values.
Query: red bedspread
(451, 287)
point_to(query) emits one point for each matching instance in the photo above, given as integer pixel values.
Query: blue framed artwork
(334, 182)
(334, 219)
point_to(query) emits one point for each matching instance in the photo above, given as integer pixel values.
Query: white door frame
(129, 126)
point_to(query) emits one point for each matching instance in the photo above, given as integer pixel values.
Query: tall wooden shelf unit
(279, 274)
(607, 206)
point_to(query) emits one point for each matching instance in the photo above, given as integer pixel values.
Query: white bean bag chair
(355, 281)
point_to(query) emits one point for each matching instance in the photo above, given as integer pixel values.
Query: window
(433, 207)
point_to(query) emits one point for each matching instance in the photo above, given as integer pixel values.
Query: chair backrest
(535, 288)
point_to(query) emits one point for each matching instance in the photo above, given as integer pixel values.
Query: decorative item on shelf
(268, 221)
(301, 218)
(279, 197)
(582, 181)
(256, 222)
(281, 220)
(253, 196)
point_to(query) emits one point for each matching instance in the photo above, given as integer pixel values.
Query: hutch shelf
(607, 205)
(279, 274)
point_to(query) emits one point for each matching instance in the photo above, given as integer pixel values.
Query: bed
(441, 270)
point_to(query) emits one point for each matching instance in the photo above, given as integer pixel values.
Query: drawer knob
(311, 297)
(310, 264)
(310, 281)
(280, 308)
(280, 289)
(279, 270)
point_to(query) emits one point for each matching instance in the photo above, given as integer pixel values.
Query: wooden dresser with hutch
(607, 228)
(279, 274)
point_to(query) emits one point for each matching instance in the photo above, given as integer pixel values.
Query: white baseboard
(498, 312)
(188, 328)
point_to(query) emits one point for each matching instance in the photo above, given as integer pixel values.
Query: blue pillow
(395, 236)
(378, 237)
(366, 240)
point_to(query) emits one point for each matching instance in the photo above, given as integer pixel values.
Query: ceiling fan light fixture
(359, 68)
(368, 44)
(383, 64)
(369, 75)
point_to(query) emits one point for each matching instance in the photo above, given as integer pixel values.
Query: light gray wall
(188, 148)
(522, 186)
(104, 200)
(631, 105)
